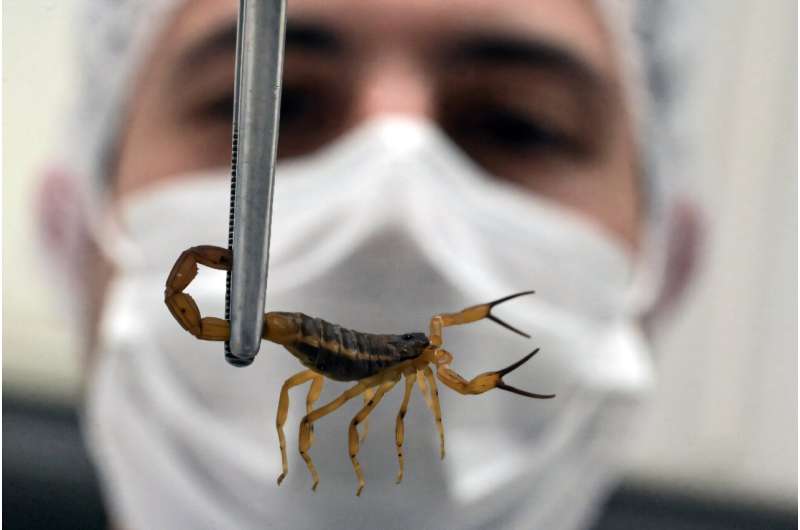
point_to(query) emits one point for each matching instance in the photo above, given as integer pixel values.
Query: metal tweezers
(259, 65)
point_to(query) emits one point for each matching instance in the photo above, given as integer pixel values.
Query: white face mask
(377, 233)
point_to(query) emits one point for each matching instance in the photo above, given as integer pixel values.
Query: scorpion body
(375, 362)
(344, 354)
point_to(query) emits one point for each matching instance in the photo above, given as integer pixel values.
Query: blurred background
(717, 446)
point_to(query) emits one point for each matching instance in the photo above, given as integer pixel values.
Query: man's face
(529, 89)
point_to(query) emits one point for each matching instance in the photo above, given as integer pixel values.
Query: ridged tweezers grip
(234, 155)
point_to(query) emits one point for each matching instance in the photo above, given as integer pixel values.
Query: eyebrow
(539, 54)
(222, 42)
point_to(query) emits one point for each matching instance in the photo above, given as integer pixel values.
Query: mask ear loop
(105, 224)
(658, 204)
(107, 232)
(649, 270)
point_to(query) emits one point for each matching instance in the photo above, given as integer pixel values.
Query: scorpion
(375, 362)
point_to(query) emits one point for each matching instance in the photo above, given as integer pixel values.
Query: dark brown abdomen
(343, 354)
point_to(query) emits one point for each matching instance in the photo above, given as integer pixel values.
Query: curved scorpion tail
(181, 305)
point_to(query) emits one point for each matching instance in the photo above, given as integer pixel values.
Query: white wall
(725, 413)
(38, 351)
(724, 418)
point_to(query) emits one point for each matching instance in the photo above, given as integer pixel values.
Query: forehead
(572, 24)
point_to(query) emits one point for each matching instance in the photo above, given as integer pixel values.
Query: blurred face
(528, 89)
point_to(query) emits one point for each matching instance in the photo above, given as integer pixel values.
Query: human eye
(215, 109)
(315, 102)
(521, 120)
(484, 128)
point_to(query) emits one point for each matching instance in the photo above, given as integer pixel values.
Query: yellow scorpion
(376, 362)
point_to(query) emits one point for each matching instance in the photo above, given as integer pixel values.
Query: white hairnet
(122, 34)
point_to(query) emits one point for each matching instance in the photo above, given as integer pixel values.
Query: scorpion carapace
(375, 362)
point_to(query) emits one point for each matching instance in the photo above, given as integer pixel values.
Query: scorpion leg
(433, 404)
(437, 411)
(368, 395)
(313, 396)
(181, 305)
(469, 315)
(353, 431)
(314, 415)
(399, 429)
(423, 388)
(485, 381)
(283, 411)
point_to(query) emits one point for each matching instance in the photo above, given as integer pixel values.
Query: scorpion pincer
(375, 362)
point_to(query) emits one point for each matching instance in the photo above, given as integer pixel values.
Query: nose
(392, 84)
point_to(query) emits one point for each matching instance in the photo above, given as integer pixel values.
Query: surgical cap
(123, 33)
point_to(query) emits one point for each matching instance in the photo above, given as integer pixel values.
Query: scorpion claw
(496, 320)
(503, 386)
(517, 364)
(281, 477)
(314, 486)
(524, 393)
